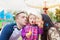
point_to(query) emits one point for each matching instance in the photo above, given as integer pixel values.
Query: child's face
(32, 19)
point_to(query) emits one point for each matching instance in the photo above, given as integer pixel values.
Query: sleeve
(6, 33)
(53, 35)
(23, 33)
(40, 30)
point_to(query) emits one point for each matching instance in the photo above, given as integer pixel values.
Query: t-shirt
(35, 32)
(16, 34)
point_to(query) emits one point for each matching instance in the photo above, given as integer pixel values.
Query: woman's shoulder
(52, 29)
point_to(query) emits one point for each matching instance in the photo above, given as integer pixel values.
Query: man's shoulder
(10, 25)
(8, 29)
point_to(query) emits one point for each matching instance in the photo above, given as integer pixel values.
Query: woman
(54, 32)
(47, 24)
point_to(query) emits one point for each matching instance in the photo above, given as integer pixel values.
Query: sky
(12, 4)
(21, 4)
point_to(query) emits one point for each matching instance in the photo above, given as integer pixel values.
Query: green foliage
(14, 13)
(58, 15)
(52, 16)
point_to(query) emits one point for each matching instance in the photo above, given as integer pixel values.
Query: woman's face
(39, 21)
(32, 19)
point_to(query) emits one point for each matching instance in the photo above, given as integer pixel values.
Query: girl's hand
(29, 34)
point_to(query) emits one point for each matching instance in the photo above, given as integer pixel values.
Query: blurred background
(9, 8)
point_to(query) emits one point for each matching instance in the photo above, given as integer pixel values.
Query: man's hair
(16, 16)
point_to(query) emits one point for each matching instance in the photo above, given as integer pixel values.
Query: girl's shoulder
(27, 26)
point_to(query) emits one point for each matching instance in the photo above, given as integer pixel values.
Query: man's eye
(23, 17)
(30, 18)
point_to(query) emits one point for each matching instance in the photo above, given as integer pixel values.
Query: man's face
(32, 19)
(22, 19)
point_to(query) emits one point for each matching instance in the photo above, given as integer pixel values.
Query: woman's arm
(53, 34)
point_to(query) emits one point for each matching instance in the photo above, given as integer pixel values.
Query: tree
(14, 13)
(52, 16)
(57, 15)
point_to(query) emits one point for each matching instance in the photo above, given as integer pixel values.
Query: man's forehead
(23, 14)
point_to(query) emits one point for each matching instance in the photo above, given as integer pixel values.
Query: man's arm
(6, 32)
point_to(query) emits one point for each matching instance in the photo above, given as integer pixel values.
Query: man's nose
(25, 18)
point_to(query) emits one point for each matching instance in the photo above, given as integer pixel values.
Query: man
(13, 31)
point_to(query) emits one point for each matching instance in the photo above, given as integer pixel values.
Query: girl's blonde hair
(35, 13)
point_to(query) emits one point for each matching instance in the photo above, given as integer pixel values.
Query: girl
(32, 30)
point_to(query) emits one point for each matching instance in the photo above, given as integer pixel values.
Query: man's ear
(16, 20)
